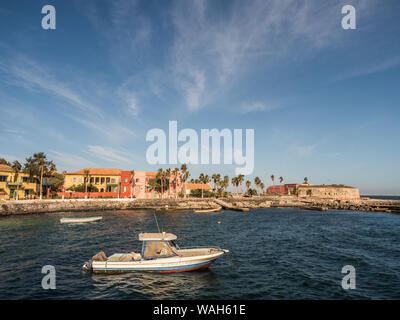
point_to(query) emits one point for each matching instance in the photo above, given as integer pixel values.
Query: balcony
(14, 184)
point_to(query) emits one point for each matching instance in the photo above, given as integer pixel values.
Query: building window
(126, 179)
(112, 180)
(107, 180)
(24, 179)
(80, 179)
(102, 180)
(74, 179)
(125, 189)
(91, 180)
(137, 180)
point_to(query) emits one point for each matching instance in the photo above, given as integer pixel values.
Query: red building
(283, 189)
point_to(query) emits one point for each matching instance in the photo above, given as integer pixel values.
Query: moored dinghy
(80, 220)
(159, 254)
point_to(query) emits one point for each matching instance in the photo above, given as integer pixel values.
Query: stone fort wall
(329, 192)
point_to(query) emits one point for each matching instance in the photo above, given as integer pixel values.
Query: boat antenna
(155, 217)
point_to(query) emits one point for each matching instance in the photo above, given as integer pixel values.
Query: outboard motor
(87, 266)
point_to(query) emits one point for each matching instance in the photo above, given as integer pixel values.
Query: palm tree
(132, 183)
(248, 184)
(305, 180)
(225, 182)
(257, 182)
(160, 175)
(168, 174)
(262, 187)
(64, 173)
(185, 176)
(234, 180)
(280, 179)
(272, 178)
(175, 173)
(240, 180)
(204, 179)
(37, 165)
(16, 168)
(86, 177)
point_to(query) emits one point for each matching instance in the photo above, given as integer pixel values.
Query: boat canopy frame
(154, 249)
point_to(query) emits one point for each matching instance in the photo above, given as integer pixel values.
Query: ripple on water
(279, 253)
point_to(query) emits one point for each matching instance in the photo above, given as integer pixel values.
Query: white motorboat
(159, 254)
(80, 220)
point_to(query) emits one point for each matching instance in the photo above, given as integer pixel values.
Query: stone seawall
(48, 206)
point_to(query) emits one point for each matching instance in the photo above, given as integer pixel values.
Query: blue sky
(323, 101)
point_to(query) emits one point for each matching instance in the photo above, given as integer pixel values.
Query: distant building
(283, 189)
(105, 180)
(118, 183)
(196, 186)
(10, 188)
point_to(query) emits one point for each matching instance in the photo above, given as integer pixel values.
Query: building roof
(198, 186)
(156, 236)
(97, 171)
(5, 167)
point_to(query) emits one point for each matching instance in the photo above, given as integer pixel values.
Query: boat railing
(198, 247)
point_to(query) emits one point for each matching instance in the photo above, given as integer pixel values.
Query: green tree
(160, 176)
(272, 178)
(175, 174)
(4, 161)
(280, 180)
(240, 180)
(56, 182)
(86, 178)
(16, 169)
(262, 187)
(305, 180)
(185, 176)
(168, 175)
(248, 184)
(132, 183)
(257, 182)
(37, 165)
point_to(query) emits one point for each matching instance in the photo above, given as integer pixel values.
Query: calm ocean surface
(280, 254)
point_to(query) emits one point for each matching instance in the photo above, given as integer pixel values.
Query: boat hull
(164, 265)
(80, 220)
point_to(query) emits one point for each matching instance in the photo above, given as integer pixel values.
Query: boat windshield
(157, 249)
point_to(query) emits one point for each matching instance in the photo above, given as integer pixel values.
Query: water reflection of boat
(80, 220)
(159, 254)
(208, 210)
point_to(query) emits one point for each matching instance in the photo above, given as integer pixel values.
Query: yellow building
(106, 180)
(11, 188)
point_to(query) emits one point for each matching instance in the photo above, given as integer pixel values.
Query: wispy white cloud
(30, 75)
(379, 66)
(108, 154)
(69, 161)
(303, 151)
(256, 107)
(209, 53)
(129, 101)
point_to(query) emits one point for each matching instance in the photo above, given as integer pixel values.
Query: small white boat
(80, 220)
(208, 210)
(159, 254)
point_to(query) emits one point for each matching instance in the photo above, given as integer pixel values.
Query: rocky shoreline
(24, 207)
